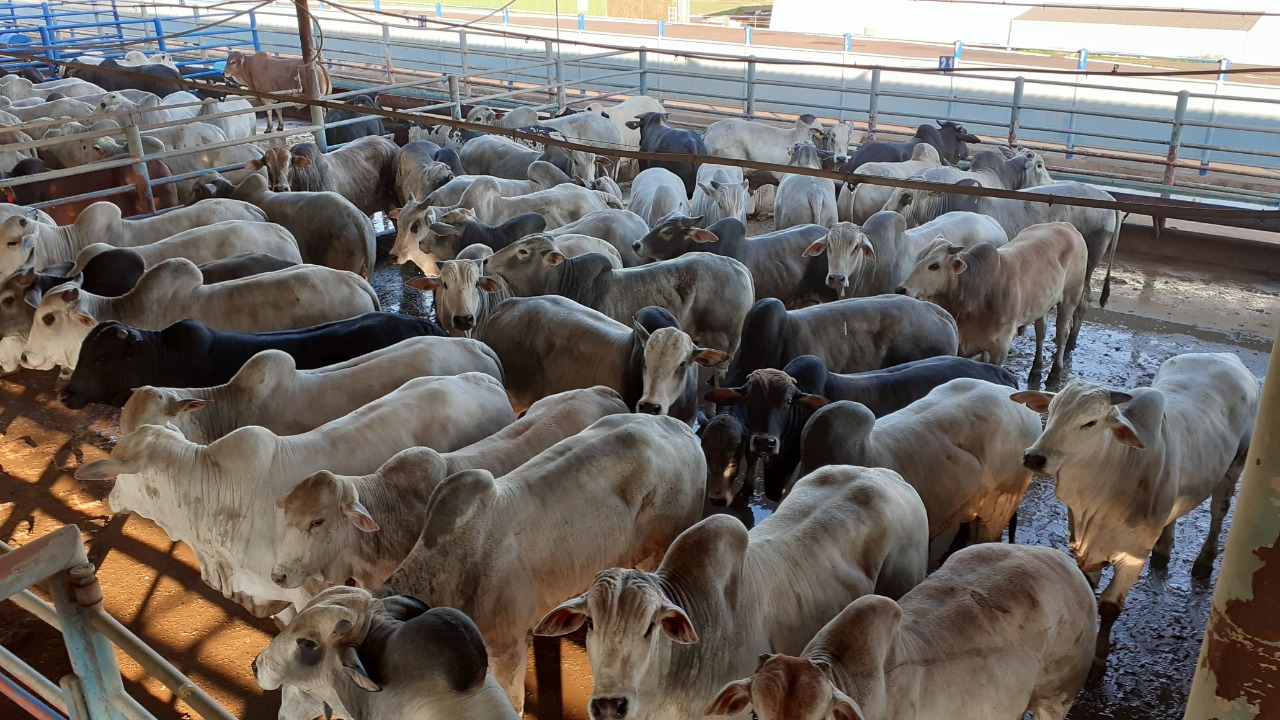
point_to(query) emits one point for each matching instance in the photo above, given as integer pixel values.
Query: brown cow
(263, 72)
(363, 171)
(133, 202)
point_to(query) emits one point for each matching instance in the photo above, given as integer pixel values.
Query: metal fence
(93, 690)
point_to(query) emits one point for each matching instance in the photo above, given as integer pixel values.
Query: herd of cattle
(417, 500)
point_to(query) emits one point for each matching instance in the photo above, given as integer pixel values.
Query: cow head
(61, 325)
(157, 406)
(805, 155)
(278, 163)
(19, 298)
(1034, 172)
(482, 115)
(1084, 419)
(730, 197)
(234, 69)
(412, 223)
(457, 294)
(528, 266)
(17, 242)
(646, 121)
(959, 132)
(672, 237)
(786, 688)
(774, 407)
(934, 274)
(724, 444)
(848, 251)
(323, 517)
(100, 374)
(628, 617)
(670, 367)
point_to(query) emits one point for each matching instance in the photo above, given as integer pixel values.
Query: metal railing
(93, 690)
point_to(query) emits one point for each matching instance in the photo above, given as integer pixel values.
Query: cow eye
(307, 644)
(414, 227)
(13, 242)
(47, 319)
(1089, 424)
(317, 522)
(684, 365)
(591, 625)
(9, 300)
(934, 266)
(445, 286)
(522, 252)
(649, 632)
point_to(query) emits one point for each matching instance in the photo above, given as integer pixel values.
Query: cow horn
(955, 249)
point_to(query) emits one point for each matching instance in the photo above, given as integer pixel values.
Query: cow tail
(377, 306)
(1111, 260)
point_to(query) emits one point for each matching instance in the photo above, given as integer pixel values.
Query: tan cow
(998, 631)
(994, 292)
(263, 72)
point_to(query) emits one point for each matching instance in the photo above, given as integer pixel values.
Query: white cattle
(657, 193)
(958, 446)
(102, 223)
(199, 159)
(586, 129)
(498, 156)
(180, 105)
(504, 551)
(877, 257)
(751, 140)
(157, 472)
(295, 297)
(542, 175)
(661, 644)
(998, 631)
(53, 109)
(559, 205)
(803, 199)
(429, 663)
(994, 292)
(1129, 464)
(721, 193)
(619, 114)
(368, 524)
(242, 125)
(865, 199)
(761, 202)
(209, 243)
(269, 390)
(20, 88)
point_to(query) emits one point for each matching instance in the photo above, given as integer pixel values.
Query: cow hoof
(1202, 570)
(1097, 671)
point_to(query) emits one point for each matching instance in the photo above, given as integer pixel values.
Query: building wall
(1156, 42)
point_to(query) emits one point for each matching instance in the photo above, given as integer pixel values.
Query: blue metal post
(1223, 66)
(253, 30)
(662, 28)
(958, 52)
(506, 16)
(377, 5)
(439, 10)
(749, 102)
(1082, 63)
(848, 42)
(160, 35)
(644, 71)
(747, 39)
(582, 21)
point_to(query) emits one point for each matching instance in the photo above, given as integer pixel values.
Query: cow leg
(1127, 569)
(508, 663)
(1037, 360)
(1061, 333)
(1219, 503)
(1164, 547)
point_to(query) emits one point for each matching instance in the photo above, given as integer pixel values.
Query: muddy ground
(1158, 309)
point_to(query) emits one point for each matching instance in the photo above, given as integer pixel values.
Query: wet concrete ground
(1158, 309)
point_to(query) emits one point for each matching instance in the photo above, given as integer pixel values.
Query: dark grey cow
(778, 268)
(363, 172)
(1007, 169)
(498, 156)
(950, 139)
(330, 230)
(114, 272)
(659, 137)
(708, 294)
(422, 167)
(854, 335)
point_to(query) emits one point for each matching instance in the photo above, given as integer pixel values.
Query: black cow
(368, 125)
(28, 73)
(657, 136)
(456, 236)
(158, 79)
(116, 358)
(951, 141)
(114, 272)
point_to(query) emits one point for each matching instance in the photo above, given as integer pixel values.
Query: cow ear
(1038, 401)
(632, 124)
(394, 213)
(733, 699)
(813, 402)
(255, 165)
(816, 248)
(489, 283)
(355, 671)
(677, 626)
(708, 357)
(845, 707)
(86, 320)
(867, 250)
(555, 257)
(1119, 398)
(440, 265)
(1125, 432)
(426, 284)
(708, 190)
(703, 236)
(359, 516)
(642, 332)
(186, 405)
(27, 276)
(568, 617)
(726, 396)
(106, 469)
(301, 161)
(579, 181)
(440, 228)
(958, 265)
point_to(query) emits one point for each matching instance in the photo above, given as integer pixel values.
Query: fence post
(506, 16)
(958, 51)
(253, 30)
(747, 36)
(133, 138)
(1015, 110)
(1082, 60)
(159, 35)
(873, 104)
(439, 11)
(1223, 66)
(662, 28)
(377, 5)
(549, 50)
(462, 50)
(559, 80)
(749, 102)
(1175, 137)
(848, 42)
(644, 71)
(582, 21)
(455, 109)
(386, 52)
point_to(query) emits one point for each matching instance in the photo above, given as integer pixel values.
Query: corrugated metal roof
(1142, 18)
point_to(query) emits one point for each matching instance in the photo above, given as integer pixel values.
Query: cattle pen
(1195, 153)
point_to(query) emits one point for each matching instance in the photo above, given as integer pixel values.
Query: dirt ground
(1158, 309)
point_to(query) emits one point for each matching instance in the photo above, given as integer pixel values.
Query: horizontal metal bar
(32, 678)
(96, 194)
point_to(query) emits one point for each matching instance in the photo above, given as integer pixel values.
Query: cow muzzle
(1035, 462)
(602, 708)
(837, 282)
(464, 322)
(762, 444)
(648, 408)
(901, 290)
(279, 188)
